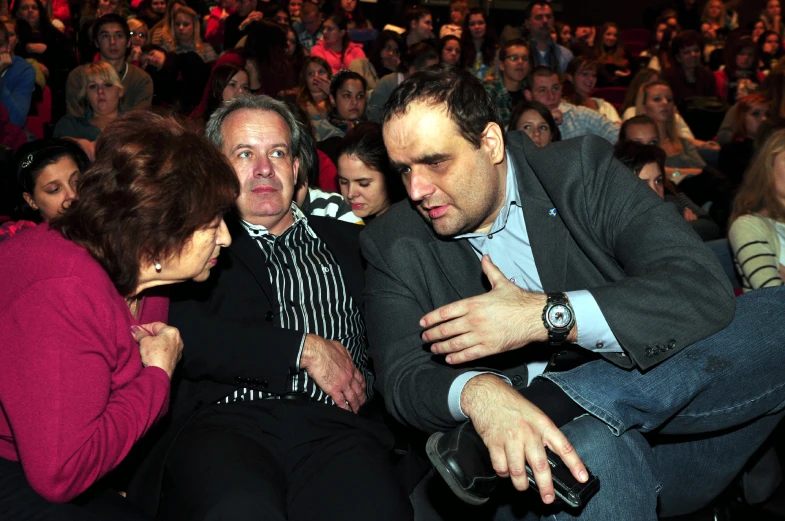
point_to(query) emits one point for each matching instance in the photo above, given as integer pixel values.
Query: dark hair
(732, 51)
(467, 102)
(378, 46)
(4, 31)
(762, 40)
(356, 16)
(415, 14)
(489, 43)
(418, 55)
(642, 119)
(616, 54)
(342, 23)
(111, 18)
(559, 26)
(44, 23)
(683, 40)
(515, 42)
(443, 43)
(542, 110)
(541, 70)
(153, 184)
(365, 142)
(341, 77)
(219, 79)
(266, 46)
(303, 94)
(527, 13)
(32, 158)
(635, 156)
(574, 67)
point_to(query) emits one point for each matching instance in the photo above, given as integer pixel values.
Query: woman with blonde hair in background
(757, 231)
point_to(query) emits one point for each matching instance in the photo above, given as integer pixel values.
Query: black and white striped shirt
(312, 297)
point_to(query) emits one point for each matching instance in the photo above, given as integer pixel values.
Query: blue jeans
(669, 440)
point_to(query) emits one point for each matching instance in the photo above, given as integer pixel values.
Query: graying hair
(263, 103)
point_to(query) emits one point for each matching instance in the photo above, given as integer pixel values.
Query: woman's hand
(706, 145)
(255, 16)
(689, 215)
(36, 48)
(135, 54)
(323, 84)
(159, 345)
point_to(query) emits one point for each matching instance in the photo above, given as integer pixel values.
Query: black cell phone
(567, 488)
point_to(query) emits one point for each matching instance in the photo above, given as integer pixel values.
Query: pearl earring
(158, 267)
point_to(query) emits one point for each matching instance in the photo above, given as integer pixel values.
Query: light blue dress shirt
(507, 244)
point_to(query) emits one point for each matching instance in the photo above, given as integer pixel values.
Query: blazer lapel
(460, 265)
(548, 235)
(247, 251)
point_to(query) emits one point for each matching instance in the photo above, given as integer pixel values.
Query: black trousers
(19, 502)
(281, 459)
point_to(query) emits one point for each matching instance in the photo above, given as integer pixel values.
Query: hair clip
(28, 160)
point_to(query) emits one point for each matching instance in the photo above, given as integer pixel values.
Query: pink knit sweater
(75, 395)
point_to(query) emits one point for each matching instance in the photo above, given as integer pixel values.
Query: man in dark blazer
(595, 275)
(268, 419)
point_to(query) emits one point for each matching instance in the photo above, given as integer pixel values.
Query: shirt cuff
(299, 355)
(456, 388)
(594, 333)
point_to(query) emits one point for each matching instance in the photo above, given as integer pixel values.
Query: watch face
(559, 316)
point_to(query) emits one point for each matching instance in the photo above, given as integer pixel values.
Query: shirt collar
(257, 230)
(511, 197)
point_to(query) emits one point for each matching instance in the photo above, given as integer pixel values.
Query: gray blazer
(658, 286)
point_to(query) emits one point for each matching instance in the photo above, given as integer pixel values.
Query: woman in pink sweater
(335, 46)
(85, 354)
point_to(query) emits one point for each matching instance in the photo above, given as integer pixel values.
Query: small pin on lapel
(552, 212)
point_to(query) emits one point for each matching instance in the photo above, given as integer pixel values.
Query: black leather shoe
(463, 461)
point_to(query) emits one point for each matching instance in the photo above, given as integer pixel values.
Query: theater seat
(36, 124)
(613, 95)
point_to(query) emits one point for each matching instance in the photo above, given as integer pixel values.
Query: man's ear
(527, 94)
(295, 169)
(493, 142)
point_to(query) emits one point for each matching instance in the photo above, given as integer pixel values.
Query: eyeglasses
(517, 57)
(138, 33)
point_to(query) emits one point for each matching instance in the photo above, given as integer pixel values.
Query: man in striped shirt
(276, 366)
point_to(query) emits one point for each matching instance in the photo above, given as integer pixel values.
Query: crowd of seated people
(154, 103)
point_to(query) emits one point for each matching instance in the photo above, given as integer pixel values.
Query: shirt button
(512, 280)
(325, 269)
(600, 344)
(517, 380)
(269, 316)
(490, 236)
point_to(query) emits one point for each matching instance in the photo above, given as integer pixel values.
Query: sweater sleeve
(755, 253)
(16, 92)
(72, 421)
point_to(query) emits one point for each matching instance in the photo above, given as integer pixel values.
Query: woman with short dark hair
(86, 357)
(688, 76)
(536, 121)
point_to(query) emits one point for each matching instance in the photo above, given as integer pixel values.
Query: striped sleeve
(755, 253)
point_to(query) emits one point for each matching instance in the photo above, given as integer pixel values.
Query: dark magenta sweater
(73, 391)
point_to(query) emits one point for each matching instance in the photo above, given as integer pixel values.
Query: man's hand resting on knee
(331, 366)
(515, 431)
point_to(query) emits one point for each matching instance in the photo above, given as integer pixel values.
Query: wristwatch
(558, 317)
